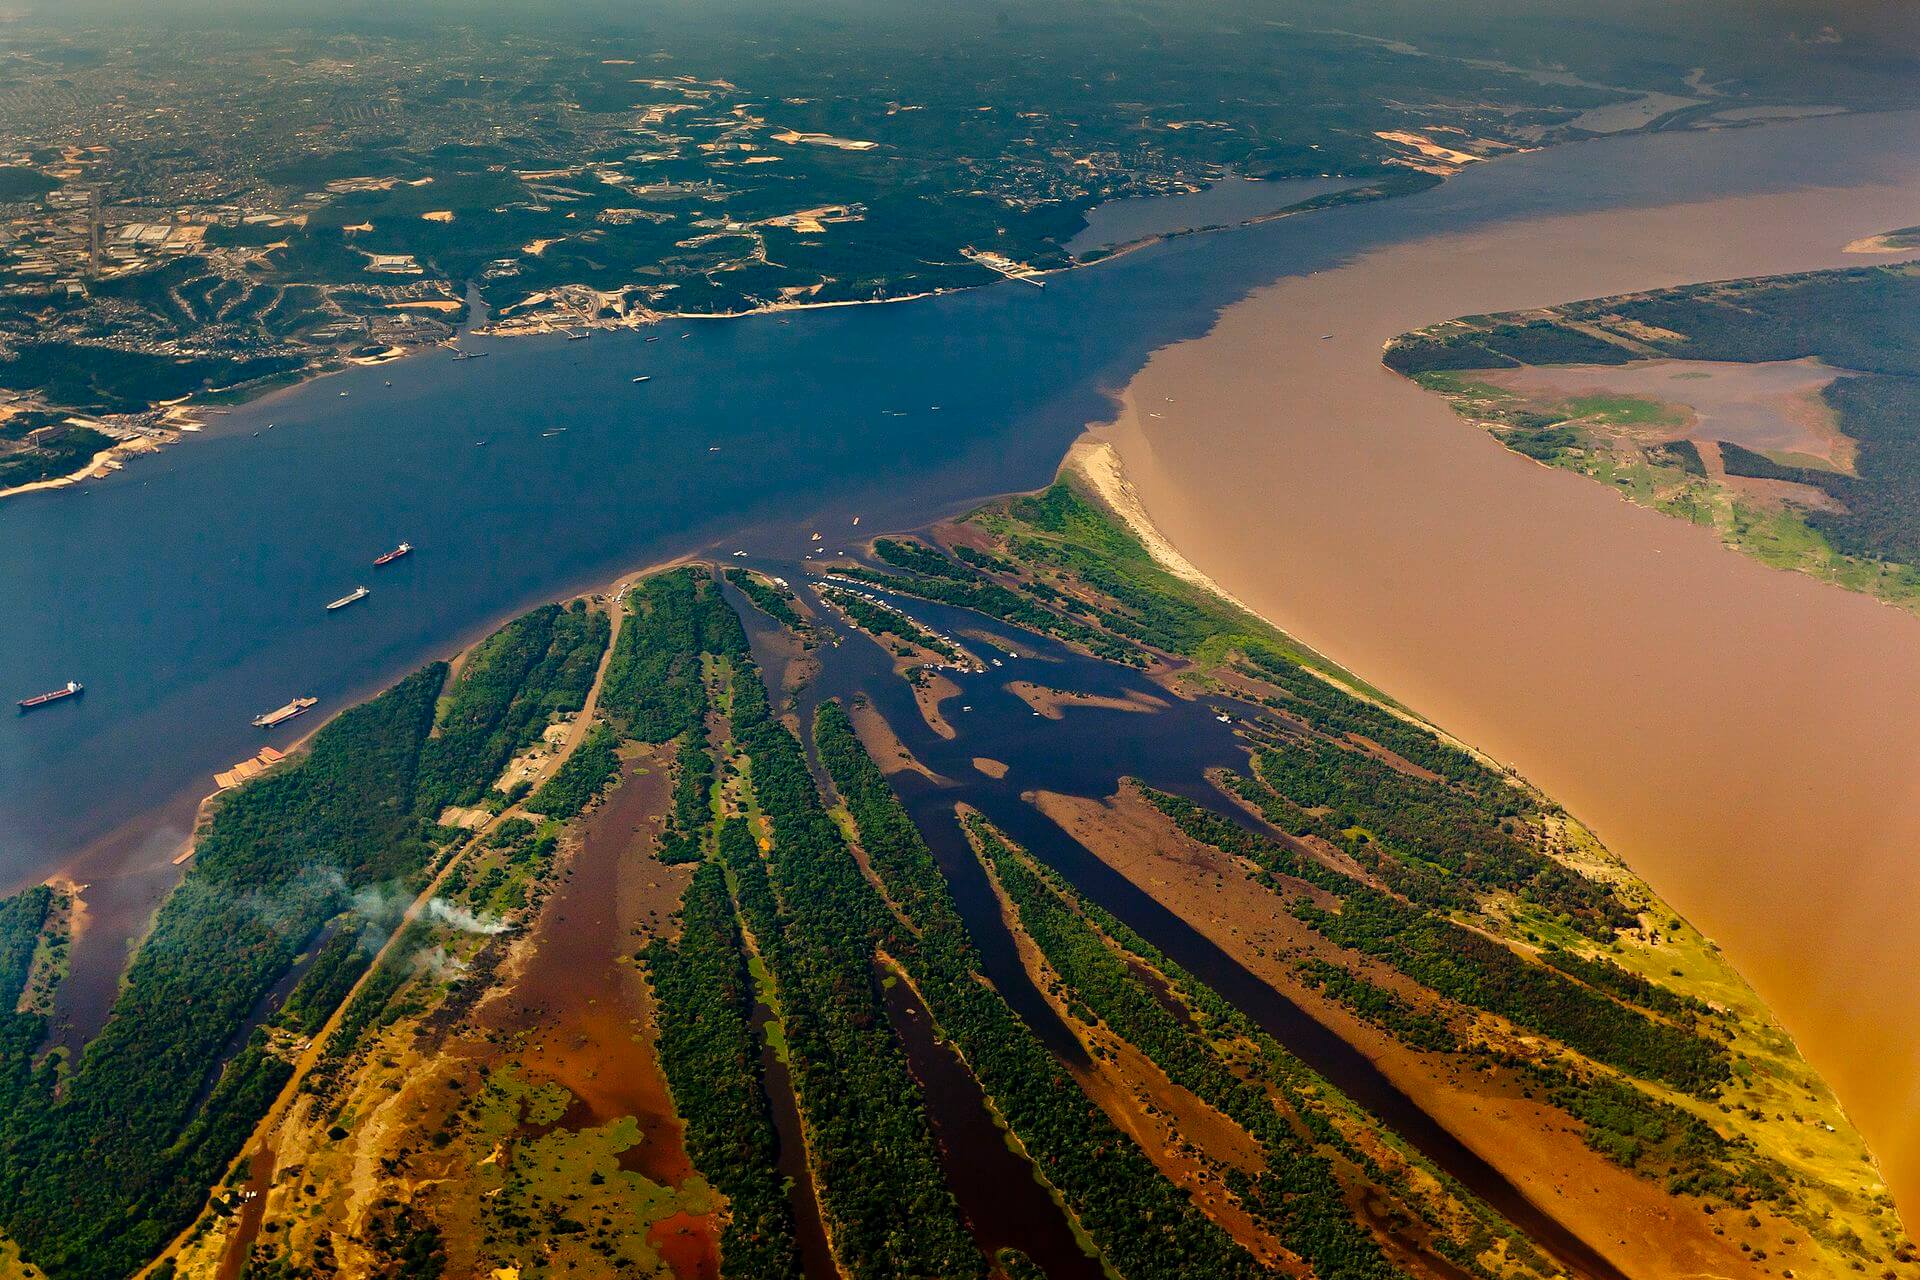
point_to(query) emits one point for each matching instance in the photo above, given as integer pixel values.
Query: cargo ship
(354, 596)
(392, 555)
(72, 689)
(274, 719)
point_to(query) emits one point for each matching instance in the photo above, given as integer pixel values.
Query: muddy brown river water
(1746, 738)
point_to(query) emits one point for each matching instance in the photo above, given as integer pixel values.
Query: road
(259, 1148)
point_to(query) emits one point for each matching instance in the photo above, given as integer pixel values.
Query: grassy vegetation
(93, 1179)
(1081, 577)
(1722, 1102)
(1624, 411)
(933, 577)
(653, 688)
(123, 1147)
(769, 597)
(1469, 968)
(101, 379)
(879, 620)
(1862, 322)
(502, 877)
(1296, 1191)
(580, 780)
(1377, 1005)
(693, 777)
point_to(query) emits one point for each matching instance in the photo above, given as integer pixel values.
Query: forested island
(1783, 412)
(634, 941)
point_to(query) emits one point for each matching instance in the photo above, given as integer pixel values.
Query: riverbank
(543, 325)
(1737, 735)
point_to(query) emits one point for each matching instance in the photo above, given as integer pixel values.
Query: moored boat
(280, 715)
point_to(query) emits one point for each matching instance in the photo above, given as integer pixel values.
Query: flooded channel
(1086, 752)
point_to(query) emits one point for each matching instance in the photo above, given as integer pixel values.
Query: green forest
(1864, 322)
(101, 1163)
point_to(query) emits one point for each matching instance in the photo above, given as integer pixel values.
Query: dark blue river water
(188, 591)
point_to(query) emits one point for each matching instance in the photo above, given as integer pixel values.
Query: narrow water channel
(1002, 1198)
(1087, 753)
(810, 1227)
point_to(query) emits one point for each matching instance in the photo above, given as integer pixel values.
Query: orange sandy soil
(1768, 495)
(580, 1010)
(1055, 703)
(568, 1008)
(797, 664)
(884, 745)
(928, 695)
(995, 769)
(1193, 1144)
(1630, 1219)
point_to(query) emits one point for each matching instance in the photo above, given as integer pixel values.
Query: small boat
(578, 337)
(654, 338)
(352, 597)
(280, 715)
(72, 689)
(392, 555)
(645, 377)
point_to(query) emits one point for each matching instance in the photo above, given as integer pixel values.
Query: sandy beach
(1743, 737)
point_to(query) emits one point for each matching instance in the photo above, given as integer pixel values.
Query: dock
(250, 768)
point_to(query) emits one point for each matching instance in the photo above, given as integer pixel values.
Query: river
(1745, 738)
(187, 591)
